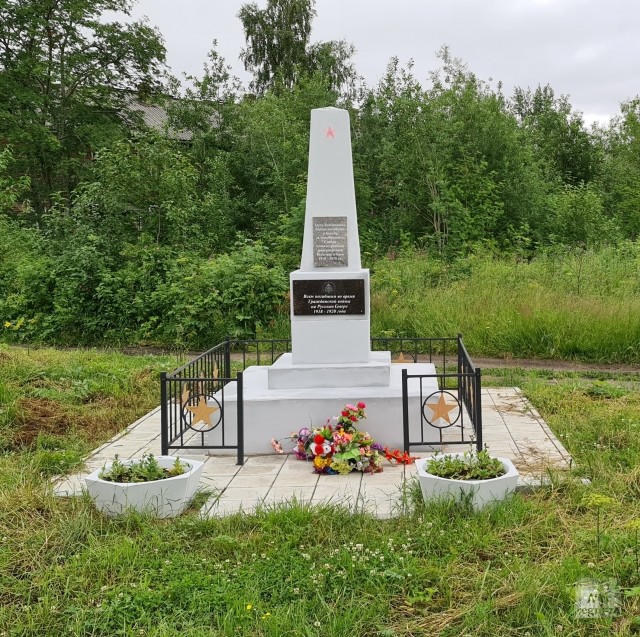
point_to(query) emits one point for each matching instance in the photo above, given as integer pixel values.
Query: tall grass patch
(65, 402)
(578, 305)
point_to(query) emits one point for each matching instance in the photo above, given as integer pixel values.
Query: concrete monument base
(279, 412)
(284, 374)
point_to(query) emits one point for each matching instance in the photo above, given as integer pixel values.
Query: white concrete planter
(162, 498)
(480, 492)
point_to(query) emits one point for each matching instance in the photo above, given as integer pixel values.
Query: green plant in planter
(469, 466)
(146, 469)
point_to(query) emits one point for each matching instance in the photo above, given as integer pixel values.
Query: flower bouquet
(339, 448)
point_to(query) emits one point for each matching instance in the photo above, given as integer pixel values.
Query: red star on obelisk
(330, 133)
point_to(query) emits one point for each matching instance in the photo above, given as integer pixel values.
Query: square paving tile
(327, 492)
(252, 481)
(223, 508)
(216, 482)
(286, 494)
(293, 465)
(296, 480)
(214, 469)
(247, 494)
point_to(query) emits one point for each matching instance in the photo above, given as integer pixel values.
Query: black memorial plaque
(330, 247)
(328, 297)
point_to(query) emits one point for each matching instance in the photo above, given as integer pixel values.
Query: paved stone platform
(512, 428)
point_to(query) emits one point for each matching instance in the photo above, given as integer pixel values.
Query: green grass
(581, 306)
(437, 570)
(59, 404)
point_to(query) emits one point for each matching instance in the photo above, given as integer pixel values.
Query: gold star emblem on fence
(441, 409)
(201, 412)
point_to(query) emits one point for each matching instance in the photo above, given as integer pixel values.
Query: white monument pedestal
(330, 316)
(284, 374)
(277, 413)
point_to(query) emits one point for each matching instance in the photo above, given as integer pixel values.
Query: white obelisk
(330, 314)
(331, 362)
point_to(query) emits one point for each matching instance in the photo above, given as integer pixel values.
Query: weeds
(469, 466)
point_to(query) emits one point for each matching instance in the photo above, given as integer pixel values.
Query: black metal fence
(439, 351)
(257, 352)
(193, 396)
(454, 415)
(192, 404)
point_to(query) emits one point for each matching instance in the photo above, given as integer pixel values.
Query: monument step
(284, 374)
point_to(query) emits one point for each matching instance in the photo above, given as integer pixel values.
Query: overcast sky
(586, 49)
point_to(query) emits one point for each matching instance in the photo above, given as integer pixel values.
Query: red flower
(319, 450)
(353, 418)
(318, 439)
(360, 405)
(397, 456)
(345, 413)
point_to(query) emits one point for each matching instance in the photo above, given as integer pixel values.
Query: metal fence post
(240, 410)
(459, 371)
(477, 406)
(164, 415)
(405, 411)
(227, 358)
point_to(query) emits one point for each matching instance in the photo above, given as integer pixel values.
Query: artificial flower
(342, 448)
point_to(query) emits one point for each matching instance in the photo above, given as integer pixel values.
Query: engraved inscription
(330, 242)
(324, 298)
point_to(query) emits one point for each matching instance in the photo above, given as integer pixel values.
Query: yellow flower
(267, 614)
(320, 463)
(249, 606)
(7, 323)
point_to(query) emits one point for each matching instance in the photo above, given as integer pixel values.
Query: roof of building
(156, 117)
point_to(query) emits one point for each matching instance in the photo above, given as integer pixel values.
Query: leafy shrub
(203, 300)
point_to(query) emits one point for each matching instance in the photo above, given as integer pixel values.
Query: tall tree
(11, 189)
(279, 51)
(622, 169)
(64, 76)
(558, 135)
(444, 166)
